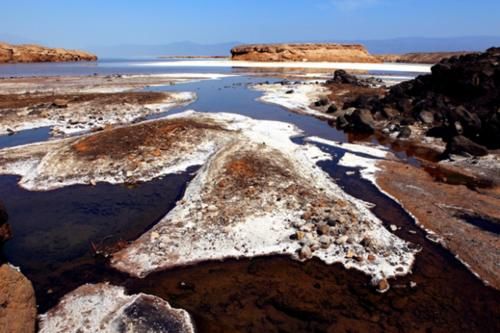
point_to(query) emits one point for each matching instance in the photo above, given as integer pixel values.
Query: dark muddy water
(53, 231)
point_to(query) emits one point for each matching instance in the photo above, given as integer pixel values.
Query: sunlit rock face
(304, 52)
(35, 53)
(106, 308)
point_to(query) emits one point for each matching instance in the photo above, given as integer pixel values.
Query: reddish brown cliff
(35, 53)
(303, 52)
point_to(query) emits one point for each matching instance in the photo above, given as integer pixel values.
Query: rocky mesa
(36, 53)
(307, 52)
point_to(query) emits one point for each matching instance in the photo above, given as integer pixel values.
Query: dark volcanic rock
(361, 120)
(460, 145)
(5, 232)
(342, 77)
(460, 98)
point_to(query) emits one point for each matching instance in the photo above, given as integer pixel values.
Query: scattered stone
(325, 241)
(60, 103)
(305, 253)
(394, 227)
(460, 145)
(426, 117)
(404, 133)
(332, 109)
(361, 120)
(383, 286)
(300, 235)
(341, 240)
(322, 102)
(413, 285)
(323, 229)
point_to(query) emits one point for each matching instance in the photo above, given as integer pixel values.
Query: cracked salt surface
(103, 308)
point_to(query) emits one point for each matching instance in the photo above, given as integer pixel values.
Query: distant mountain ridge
(425, 44)
(171, 49)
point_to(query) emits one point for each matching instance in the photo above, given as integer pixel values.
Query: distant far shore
(193, 57)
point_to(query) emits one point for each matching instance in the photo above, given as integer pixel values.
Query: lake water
(54, 232)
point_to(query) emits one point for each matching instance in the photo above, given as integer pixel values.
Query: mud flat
(253, 196)
(448, 212)
(456, 206)
(96, 83)
(106, 308)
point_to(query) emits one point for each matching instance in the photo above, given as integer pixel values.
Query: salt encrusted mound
(257, 193)
(303, 52)
(103, 308)
(35, 53)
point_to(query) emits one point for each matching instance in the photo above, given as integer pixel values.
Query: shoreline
(390, 67)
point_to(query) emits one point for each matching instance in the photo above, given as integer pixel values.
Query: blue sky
(80, 23)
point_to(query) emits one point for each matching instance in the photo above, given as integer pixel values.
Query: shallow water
(53, 231)
(25, 137)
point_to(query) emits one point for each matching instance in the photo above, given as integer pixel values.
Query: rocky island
(35, 53)
(307, 52)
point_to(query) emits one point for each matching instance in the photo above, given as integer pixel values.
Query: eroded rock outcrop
(107, 309)
(303, 52)
(17, 302)
(35, 53)
(459, 103)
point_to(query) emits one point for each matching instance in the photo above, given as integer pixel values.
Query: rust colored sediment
(117, 143)
(439, 206)
(27, 100)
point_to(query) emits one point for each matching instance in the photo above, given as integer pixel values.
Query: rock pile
(459, 102)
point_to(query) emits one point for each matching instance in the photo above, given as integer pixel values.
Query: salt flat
(389, 67)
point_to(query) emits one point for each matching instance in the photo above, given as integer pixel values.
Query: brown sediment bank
(68, 111)
(36, 53)
(303, 52)
(445, 209)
